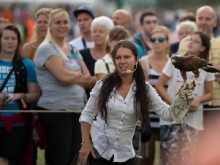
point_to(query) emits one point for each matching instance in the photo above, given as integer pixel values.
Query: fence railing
(78, 111)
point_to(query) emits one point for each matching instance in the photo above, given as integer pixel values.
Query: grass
(157, 154)
(41, 160)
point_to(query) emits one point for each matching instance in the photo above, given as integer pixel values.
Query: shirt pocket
(110, 104)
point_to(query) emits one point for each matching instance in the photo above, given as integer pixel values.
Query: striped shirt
(152, 79)
(154, 118)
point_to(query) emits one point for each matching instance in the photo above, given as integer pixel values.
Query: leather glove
(179, 107)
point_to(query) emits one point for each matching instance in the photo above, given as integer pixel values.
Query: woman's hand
(84, 152)
(2, 100)
(194, 105)
(78, 75)
(10, 98)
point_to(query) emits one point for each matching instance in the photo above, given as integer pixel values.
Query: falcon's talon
(180, 89)
(192, 85)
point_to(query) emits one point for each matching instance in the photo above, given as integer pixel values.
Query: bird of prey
(192, 63)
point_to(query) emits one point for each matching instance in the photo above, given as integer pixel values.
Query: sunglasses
(159, 40)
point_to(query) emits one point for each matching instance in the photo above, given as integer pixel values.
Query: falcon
(192, 63)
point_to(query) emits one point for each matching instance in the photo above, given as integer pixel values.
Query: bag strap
(7, 78)
(84, 43)
(106, 64)
(73, 52)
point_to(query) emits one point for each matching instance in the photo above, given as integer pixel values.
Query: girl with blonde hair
(153, 65)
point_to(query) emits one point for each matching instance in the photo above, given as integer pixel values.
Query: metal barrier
(43, 111)
(78, 111)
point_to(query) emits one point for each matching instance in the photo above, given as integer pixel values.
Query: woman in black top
(100, 28)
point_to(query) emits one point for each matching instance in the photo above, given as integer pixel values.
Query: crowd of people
(116, 79)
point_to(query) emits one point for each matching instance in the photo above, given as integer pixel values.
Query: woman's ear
(109, 42)
(202, 49)
(138, 60)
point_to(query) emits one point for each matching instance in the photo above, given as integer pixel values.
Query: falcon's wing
(210, 69)
(194, 63)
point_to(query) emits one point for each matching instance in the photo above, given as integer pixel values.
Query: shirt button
(117, 139)
(124, 102)
(121, 120)
(119, 129)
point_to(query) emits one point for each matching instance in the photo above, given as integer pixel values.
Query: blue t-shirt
(5, 68)
(139, 49)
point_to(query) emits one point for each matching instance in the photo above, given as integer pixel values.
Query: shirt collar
(132, 84)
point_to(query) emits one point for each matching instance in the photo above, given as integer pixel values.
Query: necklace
(94, 54)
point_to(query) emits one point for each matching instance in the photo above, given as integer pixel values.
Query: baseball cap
(85, 9)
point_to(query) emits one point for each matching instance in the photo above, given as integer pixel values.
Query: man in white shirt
(84, 16)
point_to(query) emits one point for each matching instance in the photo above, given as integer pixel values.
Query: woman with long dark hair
(118, 102)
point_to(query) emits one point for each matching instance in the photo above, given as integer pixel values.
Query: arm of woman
(26, 50)
(100, 76)
(33, 93)
(86, 120)
(86, 80)
(93, 80)
(158, 105)
(217, 76)
(161, 90)
(86, 147)
(143, 64)
(60, 71)
(100, 69)
(204, 98)
(31, 96)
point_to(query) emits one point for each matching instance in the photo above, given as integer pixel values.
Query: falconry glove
(179, 107)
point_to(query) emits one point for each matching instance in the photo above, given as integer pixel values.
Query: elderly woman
(105, 65)
(100, 28)
(183, 29)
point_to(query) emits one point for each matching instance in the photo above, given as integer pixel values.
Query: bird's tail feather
(210, 69)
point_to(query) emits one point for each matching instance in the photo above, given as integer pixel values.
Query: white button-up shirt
(115, 136)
